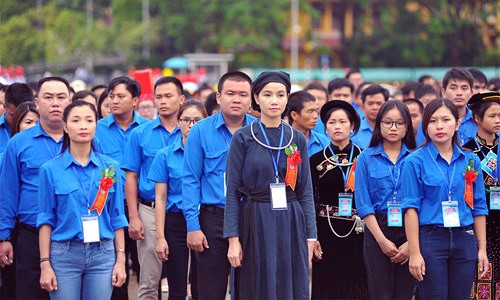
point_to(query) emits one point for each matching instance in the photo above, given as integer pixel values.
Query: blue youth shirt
(26, 152)
(375, 177)
(205, 166)
(113, 138)
(69, 190)
(426, 186)
(320, 127)
(364, 135)
(142, 146)
(167, 168)
(4, 133)
(317, 142)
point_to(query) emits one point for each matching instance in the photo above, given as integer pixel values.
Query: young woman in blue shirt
(378, 168)
(171, 230)
(445, 208)
(82, 252)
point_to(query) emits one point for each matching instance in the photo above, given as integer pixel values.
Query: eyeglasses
(187, 121)
(389, 124)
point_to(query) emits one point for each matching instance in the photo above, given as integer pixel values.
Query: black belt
(264, 195)
(151, 204)
(29, 228)
(213, 209)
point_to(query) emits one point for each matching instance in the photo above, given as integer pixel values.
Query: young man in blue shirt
(203, 183)
(24, 155)
(303, 116)
(113, 133)
(142, 146)
(373, 97)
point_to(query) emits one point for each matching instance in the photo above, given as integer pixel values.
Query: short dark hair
(410, 86)
(52, 78)
(170, 79)
(83, 94)
(478, 75)
(352, 71)
(204, 87)
(431, 108)
(67, 110)
(373, 90)
(408, 139)
(18, 93)
(233, 76)
(21, 111)
(3, 87)
(296, 103)
(192, 103)
(424, 77)
(415, 101)
(131, 85)
(457, 73)
(315, 85)
(211, 103)
(338, 83)
(360, 88)
(99, 86)
(425, 89)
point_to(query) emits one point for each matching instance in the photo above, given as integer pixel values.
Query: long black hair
(67, 111)
(408, 139)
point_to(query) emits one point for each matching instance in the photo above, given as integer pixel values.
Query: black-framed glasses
(389, 124)
(187, 121)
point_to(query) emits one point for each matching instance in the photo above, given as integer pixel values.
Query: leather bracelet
(44, 259)
(120, 250)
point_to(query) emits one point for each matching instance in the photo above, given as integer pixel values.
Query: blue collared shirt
(364, 135)
(205, 166)
(26, 152)
(317, 142)
(142, 146)
(375, 177)
(69, 190)
(358, 110)
(4, 133)
(426, 187)
(466, 131)
(167, 168)
(113, 138)
(320, 127)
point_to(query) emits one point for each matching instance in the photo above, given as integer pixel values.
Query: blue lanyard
(275, 161)
(448, 181)
(395, 180)
(344, 174)
(85, 192)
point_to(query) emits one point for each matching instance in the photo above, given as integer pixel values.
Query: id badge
(345, 204)
(278, 196)
(450, 214)
(90, 225)
(394, 214)
(494, 198)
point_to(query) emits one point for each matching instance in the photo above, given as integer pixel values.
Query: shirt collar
(364, 125)
(468, 115)
(68, 160)
(177, 144)
(219, 120)
(379, 150)
(2, 120)
(109, 120)
(457, 151)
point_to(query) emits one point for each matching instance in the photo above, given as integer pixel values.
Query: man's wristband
(44, 259)
(120, 250)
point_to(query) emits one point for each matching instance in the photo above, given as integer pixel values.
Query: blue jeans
(83, 271)
(450, 256)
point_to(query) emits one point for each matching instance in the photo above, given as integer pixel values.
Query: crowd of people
(383, 193)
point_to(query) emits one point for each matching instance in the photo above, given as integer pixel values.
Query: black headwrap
(267, 77)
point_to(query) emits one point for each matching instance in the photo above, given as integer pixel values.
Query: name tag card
(394, 215)
(494, 198)
(345, 204)
(451, 217)
(278, 196)
(90, 226)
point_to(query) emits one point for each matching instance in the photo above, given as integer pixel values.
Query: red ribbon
(102, 195)
(292, 163)
(470, 177)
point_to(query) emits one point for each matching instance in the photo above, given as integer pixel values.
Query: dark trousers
(386, 280)
(450, 257)
(27, 254)
(8, 285)
(212, 264)
(178, 258)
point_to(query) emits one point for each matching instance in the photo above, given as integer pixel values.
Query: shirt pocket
(214, 162)
(32, 168)
(434, 188)
(380, 182)
(66, 192)
(175, 182)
